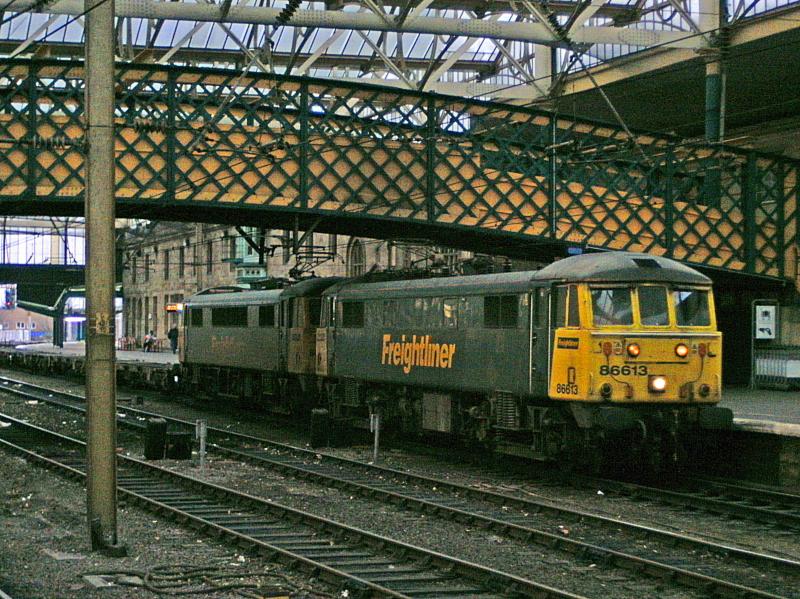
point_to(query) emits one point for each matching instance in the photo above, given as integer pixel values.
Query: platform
(764, 410)
(135, 368)
(78, 349)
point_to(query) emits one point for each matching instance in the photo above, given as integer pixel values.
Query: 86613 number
(627, 370)
(567, 388)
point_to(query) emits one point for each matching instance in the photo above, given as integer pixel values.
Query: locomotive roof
(621, 267)
(608, 267)
(311, 287)
(231, 296)
(510, 282)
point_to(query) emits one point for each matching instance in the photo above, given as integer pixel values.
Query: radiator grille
(507, 411)
(350, 393)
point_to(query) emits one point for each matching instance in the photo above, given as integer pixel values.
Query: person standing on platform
(149, 340)
(172, 335)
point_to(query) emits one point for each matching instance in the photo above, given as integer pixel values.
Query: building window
(20, 325)
(181, 259)
(356, 259)
(209, 256)
(194, 259)
(33, 325)
(134, 266)
(232, 252)
(166, 264)
(154, 307)
(147, 268)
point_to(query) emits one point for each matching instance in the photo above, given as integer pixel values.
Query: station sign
(765, 321)
(174, 307)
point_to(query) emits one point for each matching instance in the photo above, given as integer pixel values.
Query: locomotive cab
(634, 354)
(652, 342)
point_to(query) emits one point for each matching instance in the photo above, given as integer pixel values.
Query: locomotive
(591, 353)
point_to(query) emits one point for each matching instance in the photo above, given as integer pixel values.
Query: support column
(714, 100)
(710, 21)
(101, 479)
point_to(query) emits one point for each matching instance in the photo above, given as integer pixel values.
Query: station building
(164, 263)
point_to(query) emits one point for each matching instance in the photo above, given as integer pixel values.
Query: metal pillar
(710, 21)
(101, 431)
(713, 100)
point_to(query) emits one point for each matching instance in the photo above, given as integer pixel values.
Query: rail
(517, 518)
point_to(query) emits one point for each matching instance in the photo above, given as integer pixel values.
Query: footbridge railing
(191, 141)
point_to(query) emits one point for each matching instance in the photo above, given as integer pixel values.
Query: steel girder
(217, 145)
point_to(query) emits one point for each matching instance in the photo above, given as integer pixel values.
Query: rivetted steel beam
(329, 19)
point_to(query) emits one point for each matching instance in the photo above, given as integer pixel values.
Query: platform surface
(78, 348)
(764, 410)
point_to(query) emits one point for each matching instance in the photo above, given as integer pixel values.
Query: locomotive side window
(196, 318)
(691, 308)
(328, 312)
(352, 315)
(229, 317)
(450, 312)
(433, 312)
(390, 313)
(653, 306)
(500, 311)
(298, 312)
(266, 316)
(314, 310)
(612, 306)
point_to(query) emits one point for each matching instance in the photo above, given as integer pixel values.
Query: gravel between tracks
(42, 512)
(482, 547)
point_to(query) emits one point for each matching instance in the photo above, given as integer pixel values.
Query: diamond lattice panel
(193, 138)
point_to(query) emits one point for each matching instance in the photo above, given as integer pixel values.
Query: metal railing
(777, 367)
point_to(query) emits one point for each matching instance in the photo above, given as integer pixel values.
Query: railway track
(720, 497)
(522, 519)
(365, 563)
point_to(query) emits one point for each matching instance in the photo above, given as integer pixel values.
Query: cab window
(653, 306)
(573, 316)
(612, 306)
(561, 307)
(691, 308)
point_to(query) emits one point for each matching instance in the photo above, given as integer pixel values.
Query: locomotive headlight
(634, 350)
(681, 350)
(657, 383)
(705, 390)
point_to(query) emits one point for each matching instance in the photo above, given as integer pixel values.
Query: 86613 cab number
(627, 370)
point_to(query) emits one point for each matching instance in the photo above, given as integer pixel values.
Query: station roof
(495, 49)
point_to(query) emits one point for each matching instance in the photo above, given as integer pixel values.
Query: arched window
(356, 258)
